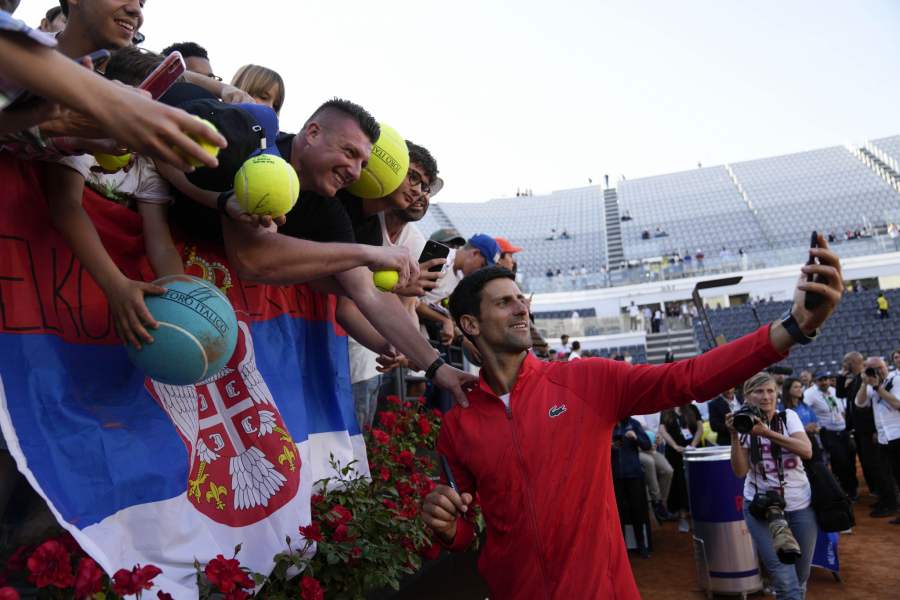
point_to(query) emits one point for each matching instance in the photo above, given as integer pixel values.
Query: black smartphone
(618, 438)
(433, 250)
(30, 99)
(813, 299)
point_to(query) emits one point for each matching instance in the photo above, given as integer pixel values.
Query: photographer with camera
(880, 395)
(767, 448)
(833, 432)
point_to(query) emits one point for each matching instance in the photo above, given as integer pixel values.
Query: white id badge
(687, 433)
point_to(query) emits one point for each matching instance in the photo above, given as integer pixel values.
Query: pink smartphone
(163, 76)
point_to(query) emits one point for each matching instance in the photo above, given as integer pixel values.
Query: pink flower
(49, 565)
(126, 583)
(88, 578)
(309, 589)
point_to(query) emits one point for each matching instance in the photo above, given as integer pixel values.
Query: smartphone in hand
(812, 299)
(161, 79)
(433, 250)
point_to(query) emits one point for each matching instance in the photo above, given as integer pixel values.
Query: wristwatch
(432, 370)
(222, 200)
(793, 329)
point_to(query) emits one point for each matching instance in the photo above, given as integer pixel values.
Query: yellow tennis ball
(267, 185)
(206, 145)
(388, 165)
(386, 280)
(112, 163)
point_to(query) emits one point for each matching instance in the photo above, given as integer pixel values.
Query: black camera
(744, 417)
(870, 372)
(769, 506)
(780, 370)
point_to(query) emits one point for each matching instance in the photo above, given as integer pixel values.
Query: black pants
(875, 468)
(891, 455)
(837, 444)
(632, 503)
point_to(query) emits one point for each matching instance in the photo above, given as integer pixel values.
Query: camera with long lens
(870, 372)
(744, 417)
(769, 506)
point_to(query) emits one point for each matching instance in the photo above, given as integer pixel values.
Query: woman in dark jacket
(628, 477)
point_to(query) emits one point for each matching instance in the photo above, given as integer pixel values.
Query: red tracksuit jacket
(542, 467)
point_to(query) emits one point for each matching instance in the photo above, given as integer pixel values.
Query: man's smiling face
(504, 325)
(336, 151)
(110, 24)
(406, 195)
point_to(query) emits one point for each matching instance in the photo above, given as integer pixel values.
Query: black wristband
(222, 200)
(793, 329)
(432, 370)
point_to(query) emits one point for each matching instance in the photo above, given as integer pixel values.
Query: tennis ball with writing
(388, 165)
(206, 145)
(386, 280)
(267, 185)
(112, 163)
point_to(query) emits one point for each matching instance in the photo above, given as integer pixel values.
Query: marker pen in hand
(448, 475)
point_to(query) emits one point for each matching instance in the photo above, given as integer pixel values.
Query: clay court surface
(868, 558)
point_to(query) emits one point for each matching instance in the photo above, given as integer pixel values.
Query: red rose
(425, 462)
(7, 593)
(400, 429)
(163, 596)
(309, 589)
(368, 428)
(137, 580)
(88, 578)
(407, 543)
(19, 559)
(388, 419)
(404, 489)
(340, 533)
(407, 459)
(431, 552)
(389, 505)
(381, 437)
(407, 404)
(4, 578)
(236, 594)
(317, 498)
(421, 400)
(49, 565)
(385, 473)
(312, 533)
(424, 425)
(437, 413)
(339, 515)
(226, 574)
(393, 399)
(354, 556)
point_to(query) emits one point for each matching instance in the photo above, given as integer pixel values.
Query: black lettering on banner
(58, 288)
(81, 310)
(37, 290)
(299, 293)
(13, 279)
(249, 308)
(272, 302)
(286, 301)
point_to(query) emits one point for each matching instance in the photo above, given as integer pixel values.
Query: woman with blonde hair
(770, 457)
(265, 85)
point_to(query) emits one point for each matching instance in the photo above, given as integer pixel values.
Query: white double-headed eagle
(253, 478)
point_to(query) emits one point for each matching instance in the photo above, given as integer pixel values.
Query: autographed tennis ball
(388, 166)
(206, 145)
(386, 280)
(112, 163)
(267, 185)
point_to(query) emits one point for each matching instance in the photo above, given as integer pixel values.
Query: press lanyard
(775, 449)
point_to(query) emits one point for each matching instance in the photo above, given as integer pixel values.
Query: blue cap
(821, 374)
(488, 247)
(267, 119)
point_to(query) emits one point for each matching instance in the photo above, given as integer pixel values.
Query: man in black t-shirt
(316, 244)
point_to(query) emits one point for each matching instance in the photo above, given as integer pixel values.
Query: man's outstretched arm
(389, 317)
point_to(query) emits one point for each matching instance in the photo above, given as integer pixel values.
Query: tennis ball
(209, 147)
(267, 185)
(386, 280)
(112, 163)
(388, 165)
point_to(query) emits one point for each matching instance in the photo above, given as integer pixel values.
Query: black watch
(793, 329)
(222, 200)
(432, 370)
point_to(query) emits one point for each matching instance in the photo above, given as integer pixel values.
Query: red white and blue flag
(142, 472)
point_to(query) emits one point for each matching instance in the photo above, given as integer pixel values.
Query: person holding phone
(536, 437)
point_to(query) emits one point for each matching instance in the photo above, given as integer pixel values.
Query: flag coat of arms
(143, 472)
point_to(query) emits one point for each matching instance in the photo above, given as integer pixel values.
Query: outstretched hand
(827, 282)
(457, 382)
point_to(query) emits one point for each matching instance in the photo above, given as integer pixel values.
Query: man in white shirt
(562, 348)
(583, 272)
(880, 394)
(634, 312)
(657, 470)
(833, 431)
(575, 354)
(648, 318)
(725, 255)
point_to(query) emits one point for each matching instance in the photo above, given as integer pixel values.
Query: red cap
(506, 246)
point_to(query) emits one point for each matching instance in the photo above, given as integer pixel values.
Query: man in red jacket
(535, 438)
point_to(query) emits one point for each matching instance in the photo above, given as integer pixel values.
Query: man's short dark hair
(63, 4)
(187, 49)
(563, 336)
(576, 346)
(366, 121)
(422, 157)
(132, 65)
(54, 12)
(466, 298)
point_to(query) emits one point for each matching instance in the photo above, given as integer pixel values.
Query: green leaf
(415, 561)
(258, 578)
(333, 559)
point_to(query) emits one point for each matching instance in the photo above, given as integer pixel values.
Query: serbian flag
(142, 472)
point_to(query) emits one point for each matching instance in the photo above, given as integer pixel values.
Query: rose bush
(367, 531)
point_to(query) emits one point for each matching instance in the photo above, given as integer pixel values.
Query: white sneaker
(846, 531)
(683, 526)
